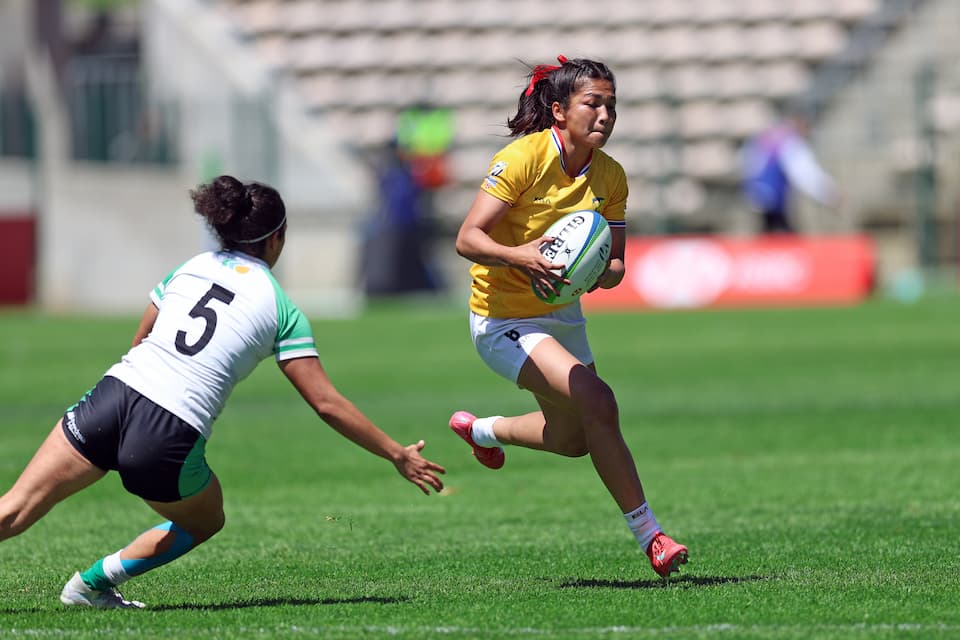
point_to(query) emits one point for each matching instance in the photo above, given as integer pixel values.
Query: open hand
(419, 470)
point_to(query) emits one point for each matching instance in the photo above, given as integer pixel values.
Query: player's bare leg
(578, 415)
(55, 472)
(190, 522)
(200, 515)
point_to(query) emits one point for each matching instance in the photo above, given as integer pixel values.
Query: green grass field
(809, 459)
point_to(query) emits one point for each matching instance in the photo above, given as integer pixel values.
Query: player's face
(592, 112)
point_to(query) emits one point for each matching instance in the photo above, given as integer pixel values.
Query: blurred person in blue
(555, 166)
(777, 162)
(411, 168)
(398, 237)
(210, 322)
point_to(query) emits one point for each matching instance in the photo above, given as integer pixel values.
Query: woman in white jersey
(556, 166)
(209, 324)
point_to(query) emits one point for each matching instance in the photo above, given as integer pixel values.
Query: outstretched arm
(313, 383)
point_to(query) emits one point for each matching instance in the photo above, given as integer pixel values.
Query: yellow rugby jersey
(529, 175)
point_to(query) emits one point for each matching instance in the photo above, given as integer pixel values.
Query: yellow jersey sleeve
(510, 173)
(614, 208)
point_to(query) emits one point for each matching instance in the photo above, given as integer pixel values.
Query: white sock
(482, 432)
(643, 524)
(113, 569)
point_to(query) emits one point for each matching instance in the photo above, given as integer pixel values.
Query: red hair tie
(541, 71)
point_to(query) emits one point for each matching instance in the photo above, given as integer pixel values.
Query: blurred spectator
(410, 169)
(424, 134)
(397, 239)
(776, 162)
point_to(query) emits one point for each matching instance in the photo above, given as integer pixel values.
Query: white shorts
(506, 343)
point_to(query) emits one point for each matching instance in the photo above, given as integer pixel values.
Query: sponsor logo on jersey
(231, 263)
(72, 427)
(597, 203)
(490, 181)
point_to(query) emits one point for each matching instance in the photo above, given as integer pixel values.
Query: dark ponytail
(242, 215)
(549, 84)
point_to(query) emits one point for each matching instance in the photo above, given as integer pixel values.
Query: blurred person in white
(778, 161)
(208, 325)
(554, 167)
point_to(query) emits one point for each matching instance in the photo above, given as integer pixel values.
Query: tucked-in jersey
(529, 174)
(220, 314)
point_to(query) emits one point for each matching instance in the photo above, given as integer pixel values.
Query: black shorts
(159, 456)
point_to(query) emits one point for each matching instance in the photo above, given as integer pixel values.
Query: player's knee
(598, 405)
(8, 525)
(575, 447)
(210, 528)
(575, 450)
(15, 517)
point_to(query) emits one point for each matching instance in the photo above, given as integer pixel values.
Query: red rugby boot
(462, 424)
(665, 555)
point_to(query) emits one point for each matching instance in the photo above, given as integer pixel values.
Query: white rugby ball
(581, 242)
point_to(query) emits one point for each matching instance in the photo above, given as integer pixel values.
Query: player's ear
(557, 110)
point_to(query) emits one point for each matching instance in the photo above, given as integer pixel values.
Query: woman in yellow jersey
(554, 167)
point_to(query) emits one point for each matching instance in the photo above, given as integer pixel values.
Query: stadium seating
(695, 77)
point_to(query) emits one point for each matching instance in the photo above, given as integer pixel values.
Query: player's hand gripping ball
(581, 242)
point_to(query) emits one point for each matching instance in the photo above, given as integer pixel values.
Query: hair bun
(223, 202)
(233, 198)
(237, 212)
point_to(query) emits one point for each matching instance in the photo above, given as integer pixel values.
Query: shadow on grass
(681, 581)
(244, 604)
(274, 602)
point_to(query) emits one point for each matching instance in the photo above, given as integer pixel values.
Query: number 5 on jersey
(201, 310)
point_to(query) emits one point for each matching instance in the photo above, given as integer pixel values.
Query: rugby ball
(581, 242)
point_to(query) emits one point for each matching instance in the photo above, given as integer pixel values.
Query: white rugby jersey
(221, 313)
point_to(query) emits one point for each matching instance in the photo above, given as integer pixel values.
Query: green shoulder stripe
(162, 286)
(293, 329)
